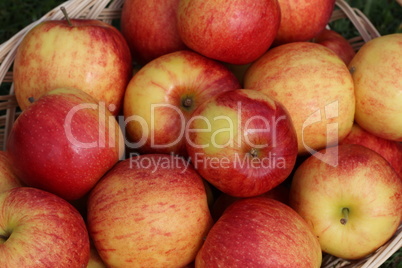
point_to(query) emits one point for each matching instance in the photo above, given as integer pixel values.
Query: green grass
(16, 14)
(395, 261)
(386, 16)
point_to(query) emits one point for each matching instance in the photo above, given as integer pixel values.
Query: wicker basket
(109, 10)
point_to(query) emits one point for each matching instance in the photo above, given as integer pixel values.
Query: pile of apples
(201, 133)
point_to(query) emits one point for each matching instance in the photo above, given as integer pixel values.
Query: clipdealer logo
(185, 130)
(109, 125)
(104, 125)
(172, 161)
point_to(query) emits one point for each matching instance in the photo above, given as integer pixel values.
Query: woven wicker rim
(109, 10)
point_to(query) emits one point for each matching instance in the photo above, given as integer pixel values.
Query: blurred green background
(386, 16)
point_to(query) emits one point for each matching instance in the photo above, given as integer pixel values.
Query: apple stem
(345, 214)
(187, 102)
(63, 9)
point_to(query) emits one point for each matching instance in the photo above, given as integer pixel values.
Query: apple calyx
(352, 69)
(345, 214)
(187, 102)
(253, 152)
(63, 9)
(31, 99)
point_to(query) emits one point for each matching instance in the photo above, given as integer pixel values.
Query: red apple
(337, 43)
(351, 198)
(164, 94)
(390, 150)
(39, 229)
(230, 31)
(279, 193)
(242, 142)
(301, 20)
(260, 232)
(64, 143)
(8, 177)
(150, 28)
(86, 54)
(149, 211)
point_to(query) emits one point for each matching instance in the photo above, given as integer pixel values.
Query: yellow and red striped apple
(376, 71)
(314, 85)
(350, 197)
(164, 93)
(38, 228)
(242, 142)
(90, 55)
(149, 211)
